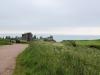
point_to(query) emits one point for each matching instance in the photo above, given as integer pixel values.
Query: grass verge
(4, 42)
(45, 58)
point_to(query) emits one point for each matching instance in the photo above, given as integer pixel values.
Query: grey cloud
(42, 14)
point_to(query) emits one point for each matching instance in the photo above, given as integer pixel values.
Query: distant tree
(34, 37)
(41, 37)
(3, 37)
(51, 37)
(17, 41)
(16, 37)
(8, 37)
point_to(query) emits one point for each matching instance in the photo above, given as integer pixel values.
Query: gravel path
(8, 56)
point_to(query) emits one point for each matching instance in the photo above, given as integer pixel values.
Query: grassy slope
(43, 58)
(4, 42)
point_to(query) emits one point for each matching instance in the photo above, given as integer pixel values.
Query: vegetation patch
(49, 58)
(4, 42)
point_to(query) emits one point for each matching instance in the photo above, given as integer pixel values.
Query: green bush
(69, 43)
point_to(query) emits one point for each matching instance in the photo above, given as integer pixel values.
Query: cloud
(50, 16)
(46, 3)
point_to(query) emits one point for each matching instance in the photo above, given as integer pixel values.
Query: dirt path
(8, 56)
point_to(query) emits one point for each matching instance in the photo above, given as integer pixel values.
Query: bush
(18, 41)
(69, 43)
(94, 46)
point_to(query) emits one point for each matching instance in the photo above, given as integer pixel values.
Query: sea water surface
(76, 37)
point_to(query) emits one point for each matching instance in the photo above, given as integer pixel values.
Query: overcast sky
(50, 16)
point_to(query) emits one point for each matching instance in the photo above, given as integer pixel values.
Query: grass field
(4, 42)
(65, 58)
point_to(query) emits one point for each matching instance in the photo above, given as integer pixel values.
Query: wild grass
(45, 58)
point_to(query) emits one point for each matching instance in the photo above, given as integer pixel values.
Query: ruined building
(27, 36)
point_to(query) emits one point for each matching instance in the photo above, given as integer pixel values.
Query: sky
(66, 17)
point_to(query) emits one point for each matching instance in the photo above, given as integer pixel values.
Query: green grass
(45, 58)
(88, 42)
(4, 42)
